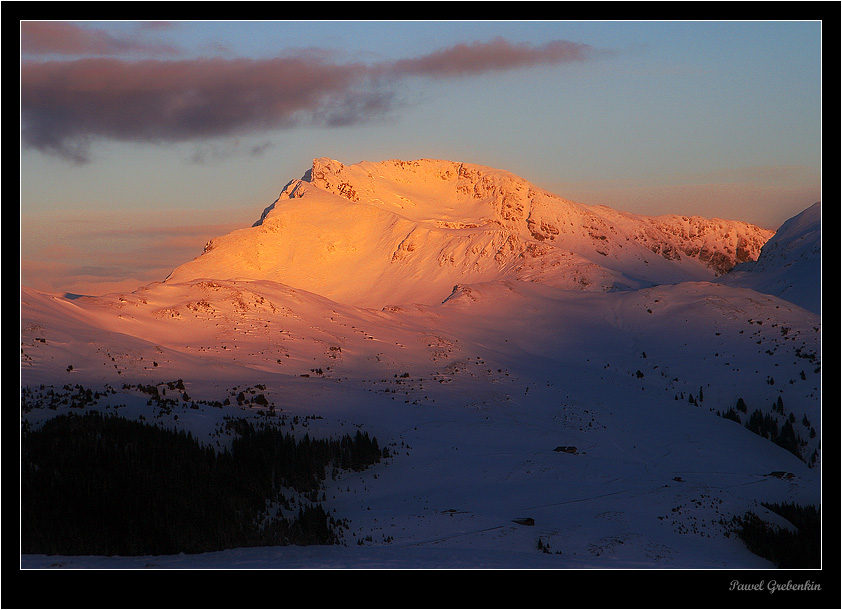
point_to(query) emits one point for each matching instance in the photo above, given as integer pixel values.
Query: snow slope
(472, 386)
(789, 265)
(498, 377)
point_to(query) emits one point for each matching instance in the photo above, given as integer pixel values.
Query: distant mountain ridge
(789, 265)
(375, 234)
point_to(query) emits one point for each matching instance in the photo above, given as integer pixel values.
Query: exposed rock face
(383, 233)
(527, 210)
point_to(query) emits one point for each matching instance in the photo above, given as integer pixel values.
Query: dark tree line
(796, 549)
(105, 485)
(767, 425)
(300, 464)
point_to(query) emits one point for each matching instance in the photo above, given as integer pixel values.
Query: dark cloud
(65, 105)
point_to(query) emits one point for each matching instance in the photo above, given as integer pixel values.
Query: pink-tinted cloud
(65, 38)
(481, 57)
(65, 105)
(156, 25)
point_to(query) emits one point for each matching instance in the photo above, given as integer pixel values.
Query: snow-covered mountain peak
(802, 231)
(376, 234)
(789, 265)
(444, 193)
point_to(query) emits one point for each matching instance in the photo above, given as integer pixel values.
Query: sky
(142, 140)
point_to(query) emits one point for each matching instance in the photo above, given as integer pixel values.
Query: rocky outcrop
(539, 215)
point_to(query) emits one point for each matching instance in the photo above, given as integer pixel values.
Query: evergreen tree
(732, 415)
(788, 439)
(755, 422)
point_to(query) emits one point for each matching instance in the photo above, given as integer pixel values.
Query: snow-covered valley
(552, 380)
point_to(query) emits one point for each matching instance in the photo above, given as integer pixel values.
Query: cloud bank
(66, 105)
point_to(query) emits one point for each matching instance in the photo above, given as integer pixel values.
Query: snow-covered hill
(789, 265)
(603, 419)
(376, 234)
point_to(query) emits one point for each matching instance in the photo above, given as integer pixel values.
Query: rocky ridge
(419, 227)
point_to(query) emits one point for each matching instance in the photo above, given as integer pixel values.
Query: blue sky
(134, 154)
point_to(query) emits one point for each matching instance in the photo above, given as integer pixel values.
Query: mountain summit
(393, 232)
